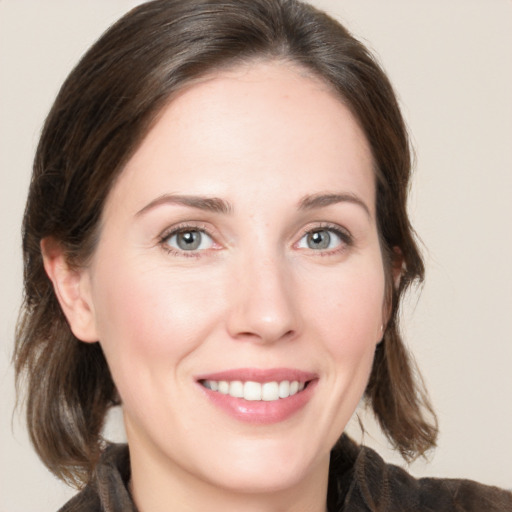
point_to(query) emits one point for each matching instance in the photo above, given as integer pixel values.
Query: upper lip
(260, 375)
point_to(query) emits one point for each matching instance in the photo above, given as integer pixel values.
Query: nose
(262, 305)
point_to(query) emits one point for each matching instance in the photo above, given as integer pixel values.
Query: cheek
(148, 319)
(349, 310)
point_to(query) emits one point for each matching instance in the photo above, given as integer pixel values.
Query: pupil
(189, 240)
(319, 240)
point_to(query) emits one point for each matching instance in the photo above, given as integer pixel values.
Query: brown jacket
(359, 481)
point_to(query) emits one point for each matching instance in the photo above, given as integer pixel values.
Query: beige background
(451, 64)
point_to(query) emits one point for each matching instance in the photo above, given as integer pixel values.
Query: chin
(267, 466)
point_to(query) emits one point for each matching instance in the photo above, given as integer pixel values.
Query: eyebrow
(210, 204)
(218, 205)
(311, 202)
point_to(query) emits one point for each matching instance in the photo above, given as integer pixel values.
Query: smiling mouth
(256, 391)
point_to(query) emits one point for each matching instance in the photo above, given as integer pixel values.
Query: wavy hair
(100, 116)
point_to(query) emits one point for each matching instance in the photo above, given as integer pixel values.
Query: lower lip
(260, 411)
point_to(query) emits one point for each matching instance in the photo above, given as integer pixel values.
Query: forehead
(267, 124)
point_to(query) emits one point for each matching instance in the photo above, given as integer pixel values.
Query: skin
(255, 294)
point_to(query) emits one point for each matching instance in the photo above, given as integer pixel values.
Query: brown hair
(101, 114)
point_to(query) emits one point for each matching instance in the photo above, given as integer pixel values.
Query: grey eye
(320, 239)
(190, 240)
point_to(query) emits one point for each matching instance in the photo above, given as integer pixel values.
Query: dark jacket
(359, 481)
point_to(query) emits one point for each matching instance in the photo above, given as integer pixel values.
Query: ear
(72, 288)
(397, 268)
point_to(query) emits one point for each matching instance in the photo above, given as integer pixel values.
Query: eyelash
(343, 234)
(182, 228)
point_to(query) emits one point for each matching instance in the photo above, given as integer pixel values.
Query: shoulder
(108, 488)
(369, 484)
(85, 501)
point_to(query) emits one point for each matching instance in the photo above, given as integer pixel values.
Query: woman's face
(239, 254)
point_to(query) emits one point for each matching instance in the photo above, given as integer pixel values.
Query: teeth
(223, 387)
(252, 391)
(270, 391)
(236, 389)
(255, 391)
(284, 389)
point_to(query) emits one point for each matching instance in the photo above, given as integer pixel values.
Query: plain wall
(450, 62)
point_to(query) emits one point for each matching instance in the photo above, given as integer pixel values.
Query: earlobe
(380, 336)
(71, 286)
(397, 269)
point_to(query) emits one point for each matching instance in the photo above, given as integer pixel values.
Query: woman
(216, 238)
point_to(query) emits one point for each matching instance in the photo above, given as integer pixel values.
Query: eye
(323, 239)
(189, 240)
